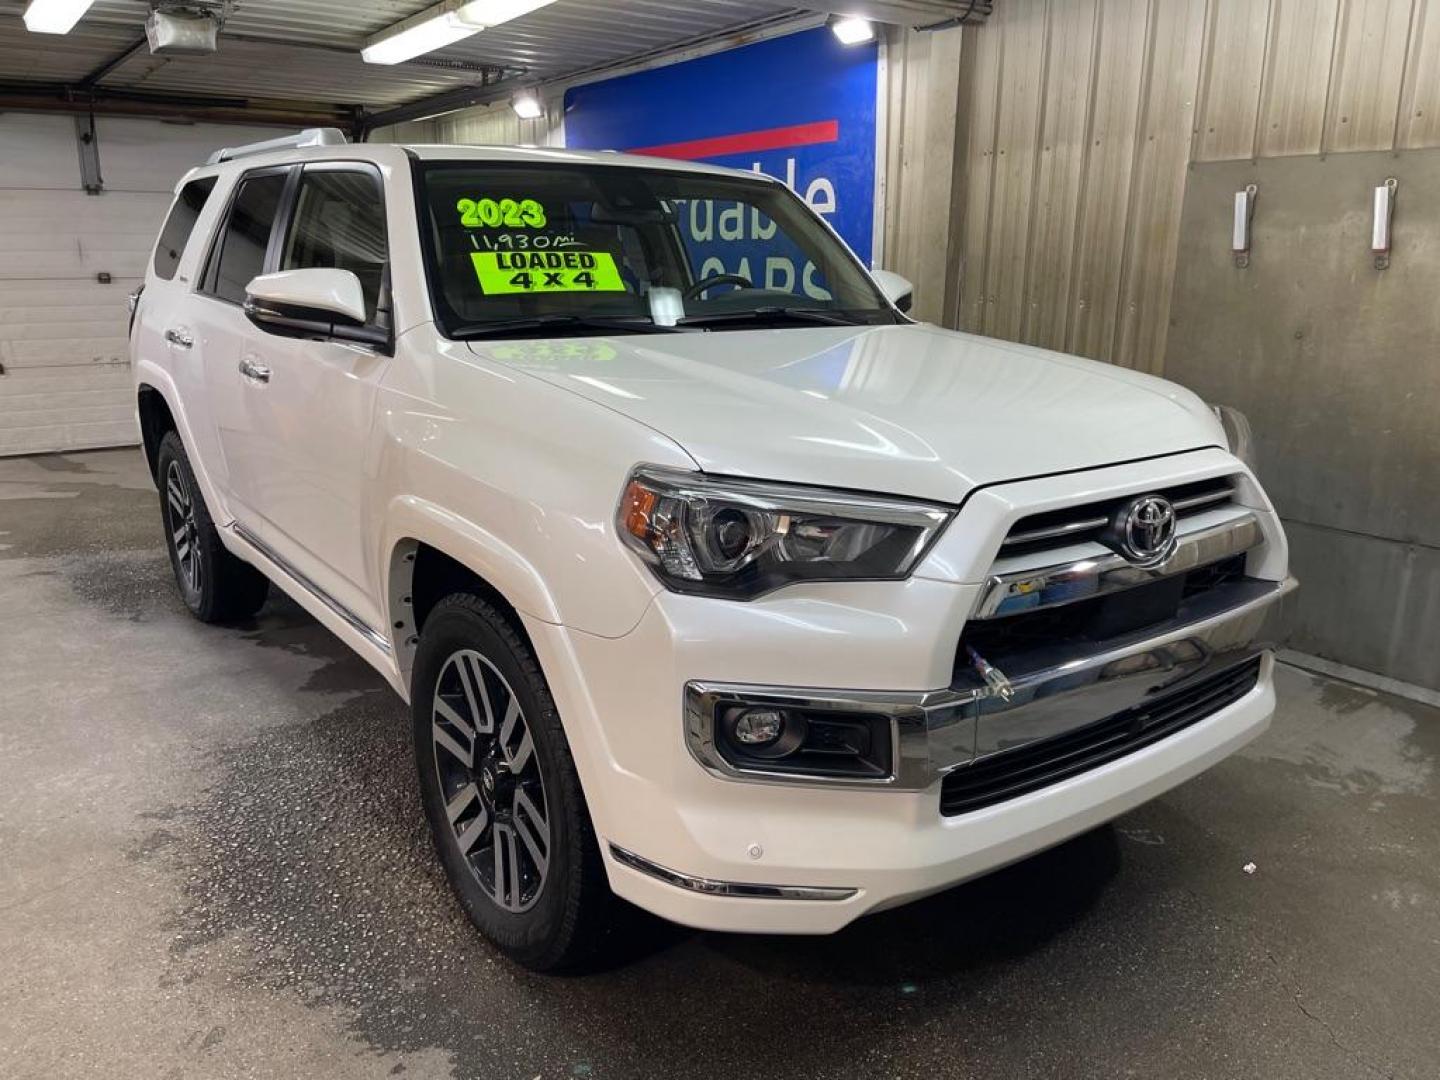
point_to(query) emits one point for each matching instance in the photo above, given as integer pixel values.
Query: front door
(311, 403)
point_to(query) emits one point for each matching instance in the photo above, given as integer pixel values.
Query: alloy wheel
(184, 532)
(489, 776)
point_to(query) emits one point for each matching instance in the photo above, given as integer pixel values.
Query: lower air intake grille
(1011, 773)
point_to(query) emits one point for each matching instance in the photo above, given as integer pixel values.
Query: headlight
(741, 538)
(1237, 433)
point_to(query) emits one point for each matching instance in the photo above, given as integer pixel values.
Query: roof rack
(326, 136)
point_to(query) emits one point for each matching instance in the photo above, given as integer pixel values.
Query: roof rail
(326, 136)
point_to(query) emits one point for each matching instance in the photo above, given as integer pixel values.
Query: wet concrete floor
(213, 864)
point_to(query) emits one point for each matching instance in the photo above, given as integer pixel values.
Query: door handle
(254, 370)
(181, 338)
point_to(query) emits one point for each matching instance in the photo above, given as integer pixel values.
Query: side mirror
(897, 289)
(316, 302)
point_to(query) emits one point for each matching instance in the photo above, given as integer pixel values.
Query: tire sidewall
(173, 451)
(540, 932)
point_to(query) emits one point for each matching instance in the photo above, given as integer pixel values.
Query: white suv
(713, 581)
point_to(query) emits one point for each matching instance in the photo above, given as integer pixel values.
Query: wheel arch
(155, 420)
(426, 564)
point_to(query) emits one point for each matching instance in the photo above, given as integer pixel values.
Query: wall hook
(1240, 228)
(1380, 229)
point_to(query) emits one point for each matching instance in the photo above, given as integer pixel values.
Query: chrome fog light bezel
(926, 733)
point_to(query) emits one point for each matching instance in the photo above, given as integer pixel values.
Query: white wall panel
(66, 382)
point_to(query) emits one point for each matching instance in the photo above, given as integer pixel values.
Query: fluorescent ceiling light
(527, 106)
(852, 30)
(412, 41)
(486, 13)
(54, 16)
(440, 26)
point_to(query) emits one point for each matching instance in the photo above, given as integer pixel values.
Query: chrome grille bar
(1094, 517)
(1065, 583)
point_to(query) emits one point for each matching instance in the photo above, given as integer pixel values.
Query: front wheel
(500, 789)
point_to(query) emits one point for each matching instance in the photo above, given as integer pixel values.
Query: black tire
(548, 914)
(215, 585)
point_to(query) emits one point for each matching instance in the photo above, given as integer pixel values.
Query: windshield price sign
(508, 272)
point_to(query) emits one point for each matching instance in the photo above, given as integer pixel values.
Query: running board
(359, 625)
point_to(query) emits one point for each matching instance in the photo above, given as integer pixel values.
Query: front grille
(1012, 773)
(1095, 620)
(1073, 524)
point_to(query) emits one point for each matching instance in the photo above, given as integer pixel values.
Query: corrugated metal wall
(922, 92)
(1078, 121)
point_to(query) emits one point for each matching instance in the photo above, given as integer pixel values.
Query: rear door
(217, 329)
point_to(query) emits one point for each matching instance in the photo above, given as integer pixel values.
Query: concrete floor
(212, 863)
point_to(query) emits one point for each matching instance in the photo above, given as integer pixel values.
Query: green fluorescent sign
(502, 272)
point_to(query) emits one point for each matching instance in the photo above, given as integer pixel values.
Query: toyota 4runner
(712, 580)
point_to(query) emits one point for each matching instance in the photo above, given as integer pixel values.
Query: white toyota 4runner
(713, 581)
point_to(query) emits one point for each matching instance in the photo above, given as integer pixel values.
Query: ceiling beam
(488, 89)
(110, 65)
(917, 13)
(55, 97)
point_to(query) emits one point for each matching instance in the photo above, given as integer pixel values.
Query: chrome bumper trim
(738, 889)
(1065, 583)
(1053, 690)
(1058, 689)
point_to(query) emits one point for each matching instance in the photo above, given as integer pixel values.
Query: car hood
(907, 410)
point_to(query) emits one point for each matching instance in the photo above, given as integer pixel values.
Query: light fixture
(483, 13)
(852, 29)
(442, 25)
(418, 38)
(527, 106)
(54, 16)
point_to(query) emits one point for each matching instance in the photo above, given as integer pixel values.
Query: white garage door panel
(42, 411)
(28, 265)
(40, 152)
(66, 380)
(78, 296)
(34, 325)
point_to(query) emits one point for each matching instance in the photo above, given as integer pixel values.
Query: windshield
(599, 249)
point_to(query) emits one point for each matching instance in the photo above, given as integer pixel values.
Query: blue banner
(801, 108)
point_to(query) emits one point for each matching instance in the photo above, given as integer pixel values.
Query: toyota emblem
(1144, 530)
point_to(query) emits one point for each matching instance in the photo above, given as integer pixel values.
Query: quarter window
(241, 256)
(339, 223)
(176, 232)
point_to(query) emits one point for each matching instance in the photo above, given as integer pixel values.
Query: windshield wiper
(561, 321)
(810, 315)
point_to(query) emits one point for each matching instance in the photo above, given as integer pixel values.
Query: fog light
(759, 727)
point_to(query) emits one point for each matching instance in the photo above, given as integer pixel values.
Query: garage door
(65, 383)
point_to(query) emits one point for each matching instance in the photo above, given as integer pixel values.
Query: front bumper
(688, 839)
(900, 849)
(939, 731)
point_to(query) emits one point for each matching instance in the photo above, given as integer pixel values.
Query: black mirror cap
(905, 302)
(289, 320)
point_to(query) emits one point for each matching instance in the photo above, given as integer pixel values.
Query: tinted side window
(339, 223)
(241, 255)
(178, 226)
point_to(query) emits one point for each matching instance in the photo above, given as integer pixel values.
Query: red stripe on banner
(747, 142)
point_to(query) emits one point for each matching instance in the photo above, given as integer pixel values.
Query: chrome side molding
(359, 625)
(1064, 583)
(739, 889)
